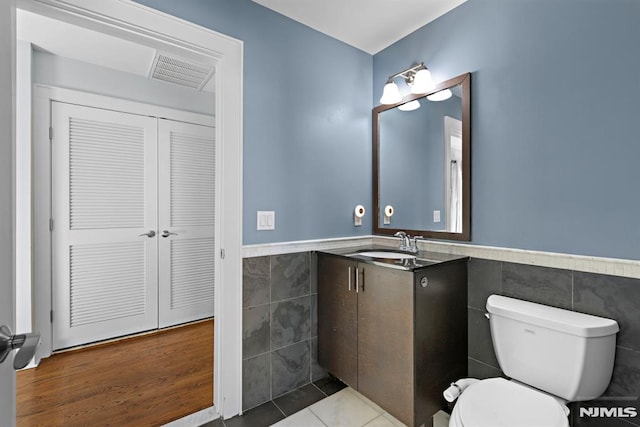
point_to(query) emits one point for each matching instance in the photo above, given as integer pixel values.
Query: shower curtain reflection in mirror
(453, 173)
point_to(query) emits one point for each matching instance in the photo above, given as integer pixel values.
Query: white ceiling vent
(180, 71)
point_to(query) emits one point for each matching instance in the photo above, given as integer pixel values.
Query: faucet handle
(414, 247)
(405, 241)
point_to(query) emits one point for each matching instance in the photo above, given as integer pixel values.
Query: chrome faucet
(406, 242)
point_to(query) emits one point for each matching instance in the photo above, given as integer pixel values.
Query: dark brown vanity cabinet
(398, 337)
(338, 317)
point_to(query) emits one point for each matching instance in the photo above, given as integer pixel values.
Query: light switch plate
(266, 220)
(436, 216)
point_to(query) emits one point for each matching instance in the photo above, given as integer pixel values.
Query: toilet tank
(565, 353)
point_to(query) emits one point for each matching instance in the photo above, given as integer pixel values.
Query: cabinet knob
(334, 329)
(424, 282)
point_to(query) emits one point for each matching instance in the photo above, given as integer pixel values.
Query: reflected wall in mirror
(422, 163)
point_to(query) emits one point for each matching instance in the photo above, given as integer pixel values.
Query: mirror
(422, 164)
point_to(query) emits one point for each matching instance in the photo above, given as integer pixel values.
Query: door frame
(7, 199)
(141, 24)
(452, 127)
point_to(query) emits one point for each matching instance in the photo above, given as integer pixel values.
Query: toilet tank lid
(570, 322)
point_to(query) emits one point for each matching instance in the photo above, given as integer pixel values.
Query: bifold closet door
(186, 220)
(104, 205)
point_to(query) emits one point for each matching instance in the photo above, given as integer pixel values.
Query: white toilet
(552, 356)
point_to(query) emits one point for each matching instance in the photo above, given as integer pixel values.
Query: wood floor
(142, 381)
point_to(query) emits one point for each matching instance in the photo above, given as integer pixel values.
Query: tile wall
(599, 294)
(280, 333)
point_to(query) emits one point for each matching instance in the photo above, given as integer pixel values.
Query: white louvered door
(104, 196)
(186, 208)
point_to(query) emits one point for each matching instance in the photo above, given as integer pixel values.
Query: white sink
(387, 255)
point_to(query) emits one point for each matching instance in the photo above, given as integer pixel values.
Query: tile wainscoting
(280, 296)
(280, 332)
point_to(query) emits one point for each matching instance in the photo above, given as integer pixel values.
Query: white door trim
(132, 21)
(7, 200)
(78, 97)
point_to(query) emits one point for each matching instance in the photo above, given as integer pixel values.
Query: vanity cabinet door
(337, 318)
(385, 339)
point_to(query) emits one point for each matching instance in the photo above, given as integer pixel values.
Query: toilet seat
(496, 402)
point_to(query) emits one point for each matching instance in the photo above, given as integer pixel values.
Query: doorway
(107, 157)
(140, 24)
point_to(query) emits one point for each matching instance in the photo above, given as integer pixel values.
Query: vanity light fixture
(442, 95)
(390, 93)
(409, 106)
(418, 78)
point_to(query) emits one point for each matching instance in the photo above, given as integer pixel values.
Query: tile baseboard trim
(589, 264)
(250, 251)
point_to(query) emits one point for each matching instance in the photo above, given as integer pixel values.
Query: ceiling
(369, 25)
(80, 44)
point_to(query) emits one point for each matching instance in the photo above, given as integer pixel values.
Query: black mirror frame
(465, 81)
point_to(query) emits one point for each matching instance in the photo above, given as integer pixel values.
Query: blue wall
(307, 121)
(554, 109)
(554, 104)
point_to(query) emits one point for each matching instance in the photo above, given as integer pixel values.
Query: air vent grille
(179, 71)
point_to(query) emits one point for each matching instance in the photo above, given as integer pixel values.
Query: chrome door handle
(150, 234)
(167, 233)
(26, 343)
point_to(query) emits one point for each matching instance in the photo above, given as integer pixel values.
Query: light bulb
(440, 96)
(410, 106)
(422, 82)
(390, 94)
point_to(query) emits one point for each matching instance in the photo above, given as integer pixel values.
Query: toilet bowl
(496, 402)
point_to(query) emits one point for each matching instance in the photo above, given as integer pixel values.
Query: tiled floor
(344, 408)
(325, 403)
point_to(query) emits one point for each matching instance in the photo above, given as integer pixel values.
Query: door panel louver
(106, 175)
(108, 281)
(192, 180)
(186, 265)
(192, 272)
(104, 195)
